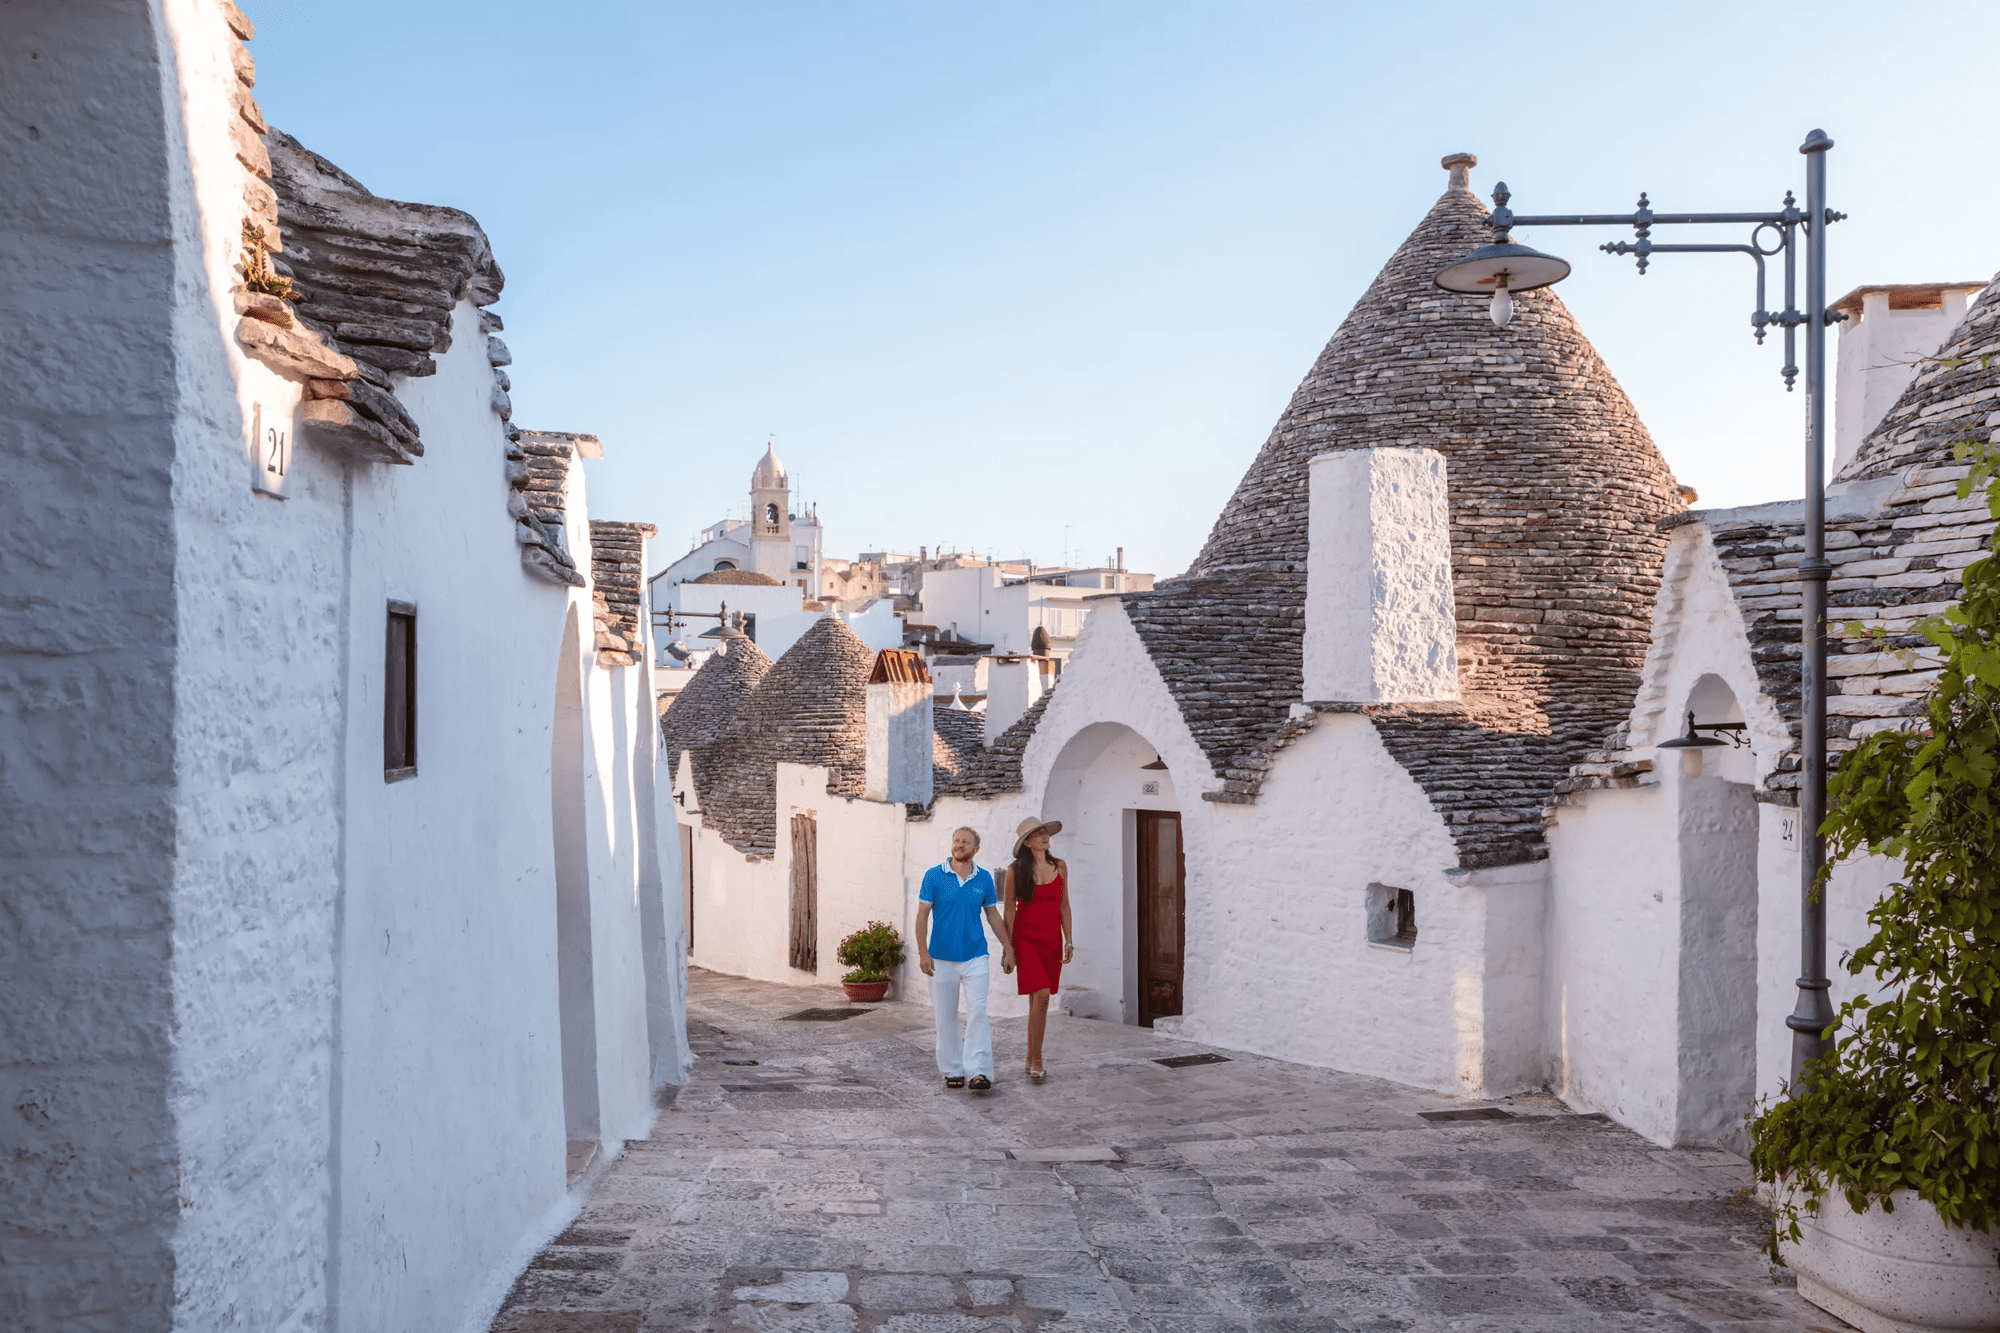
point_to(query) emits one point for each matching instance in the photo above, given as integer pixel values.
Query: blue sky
(1038, 277)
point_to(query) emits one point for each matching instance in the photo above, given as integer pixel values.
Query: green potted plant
(871, 951)
(1901, 1120)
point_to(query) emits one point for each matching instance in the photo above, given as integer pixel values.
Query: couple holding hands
(1029, 913)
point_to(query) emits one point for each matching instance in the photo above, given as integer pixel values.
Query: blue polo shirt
(957, 936)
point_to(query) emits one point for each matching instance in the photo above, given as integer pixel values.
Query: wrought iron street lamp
(1505, 268)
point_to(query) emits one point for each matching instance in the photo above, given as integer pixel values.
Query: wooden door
(687, 883)
(805, 892)
(1162, 914)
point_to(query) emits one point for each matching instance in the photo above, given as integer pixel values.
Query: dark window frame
(1406, 917)
(399, 692)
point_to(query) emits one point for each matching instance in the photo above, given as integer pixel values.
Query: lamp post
(1504, 269)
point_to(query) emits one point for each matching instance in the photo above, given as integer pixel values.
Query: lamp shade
(1690, 741)
(1514, 267)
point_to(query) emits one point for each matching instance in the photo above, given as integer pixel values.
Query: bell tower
(771, 518)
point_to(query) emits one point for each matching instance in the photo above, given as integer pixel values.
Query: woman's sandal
(1037, 1075)
(958, 1082)
(980, 1083)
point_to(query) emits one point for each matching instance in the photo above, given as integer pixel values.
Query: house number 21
(270, 454)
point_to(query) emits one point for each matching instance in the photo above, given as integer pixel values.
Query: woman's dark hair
(1024, 873)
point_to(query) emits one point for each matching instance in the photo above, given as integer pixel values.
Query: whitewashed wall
(743, 905)
(616, 708)
(663, 942)
(1650, 972)
(257, 692)
(302, 1021)
(1614, 1002)
(450, 1122)
(872, 860)
(91, 260)
(1277, 891)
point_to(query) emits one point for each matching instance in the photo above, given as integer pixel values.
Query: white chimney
(1380, 625)
(898, 730)
(1887, 334)
(1013, 686)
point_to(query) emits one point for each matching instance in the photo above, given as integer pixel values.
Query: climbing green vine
(1909, 1097)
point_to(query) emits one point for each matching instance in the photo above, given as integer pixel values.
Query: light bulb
(1502, 308)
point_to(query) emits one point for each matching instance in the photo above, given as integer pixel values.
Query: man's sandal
(958, 1082)
(980, 1083)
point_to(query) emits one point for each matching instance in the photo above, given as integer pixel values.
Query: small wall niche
(1392, 916)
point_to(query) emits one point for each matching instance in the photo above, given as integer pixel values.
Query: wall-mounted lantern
(1693, 743)
(1158, 765)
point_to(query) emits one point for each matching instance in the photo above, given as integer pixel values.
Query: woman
(1036, 912)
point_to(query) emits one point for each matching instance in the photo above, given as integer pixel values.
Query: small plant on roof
(1909, 1096)
(871, 951)
(257, 273)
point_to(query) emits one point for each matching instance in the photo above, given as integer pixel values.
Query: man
(951, 949)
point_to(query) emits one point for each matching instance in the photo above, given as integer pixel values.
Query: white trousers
(962, 1057)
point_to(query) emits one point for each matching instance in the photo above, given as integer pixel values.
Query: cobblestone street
(816, 1177)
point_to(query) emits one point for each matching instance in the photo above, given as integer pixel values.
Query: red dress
(1038, 939)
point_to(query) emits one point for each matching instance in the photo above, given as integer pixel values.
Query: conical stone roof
(1948, 400)
(700, 713)
(1555, 490)
(811, 707)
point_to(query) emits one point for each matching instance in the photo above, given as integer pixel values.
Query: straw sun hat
(1030, 826)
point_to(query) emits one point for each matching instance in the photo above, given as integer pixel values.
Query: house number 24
(270, 454)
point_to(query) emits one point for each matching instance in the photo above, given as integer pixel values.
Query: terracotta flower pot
(866, 992)
(1900, 1272)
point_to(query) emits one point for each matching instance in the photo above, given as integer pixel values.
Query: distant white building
(781, 544)
(988, 605)
(771, 571)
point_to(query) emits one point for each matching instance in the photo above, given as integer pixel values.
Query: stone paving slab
(818, 1178)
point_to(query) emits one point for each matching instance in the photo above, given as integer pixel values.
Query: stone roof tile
(1556, 490)
(617, 588)
(1893, 564)
(810, 708)
(703, 710)
(995, 770)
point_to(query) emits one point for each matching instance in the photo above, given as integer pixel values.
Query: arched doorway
(1717, 1010)
(1123, 838)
